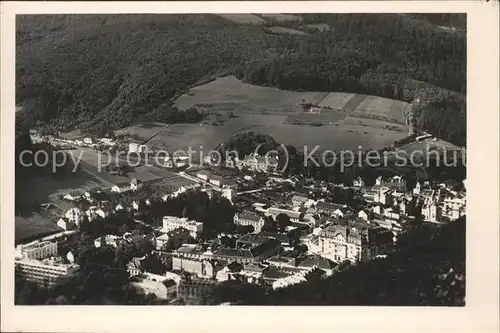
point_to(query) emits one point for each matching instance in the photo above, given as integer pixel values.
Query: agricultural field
(243, 18)
(336, 100)
(381, 108)
(282, 17)
(229, 90)
(208, 136)
(374, 123)
(325, 117)
(282, 30)
(143, 131)
(319, 26)
(331, 137)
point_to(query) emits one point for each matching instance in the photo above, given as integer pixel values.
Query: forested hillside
(91, 71)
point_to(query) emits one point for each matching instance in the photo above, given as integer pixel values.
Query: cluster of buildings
(319, 236)
(39, 262)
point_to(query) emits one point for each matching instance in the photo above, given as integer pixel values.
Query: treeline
(131, 66)
(427, 269)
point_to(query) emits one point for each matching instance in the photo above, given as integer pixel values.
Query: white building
(172, 222)
(65, 224)
(136, 148)
(74, 215)
(37, 262)
(248, 219)
(37, 250)
(108, 239)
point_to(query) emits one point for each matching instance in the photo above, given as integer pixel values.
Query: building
(453, 207)
(38, 262)
(66, 224)
(229, 272)
(161, 286)
(202, 268)
(135, 266)
(299, 200)
(172, 222)
(195, 288)
(431, 212)
(74, 215)
(249, 219)
(203, 175)
(37, 250)
(136, 148)
(257, 163)
(121, 188)
(249, 248)
(107, 240)
(331, 208)
(179, 236)
(340, 242)
(293, 215)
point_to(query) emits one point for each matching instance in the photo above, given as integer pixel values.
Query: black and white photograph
(280, 159)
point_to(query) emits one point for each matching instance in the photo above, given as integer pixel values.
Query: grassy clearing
(28, 227)
(281, 30)
(243, 18)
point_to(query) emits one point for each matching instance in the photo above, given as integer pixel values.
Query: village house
(135, 266)
(121, 187)
(74, 215)
(332, 208)
(249, 219)
(135, 147)
(293, 215)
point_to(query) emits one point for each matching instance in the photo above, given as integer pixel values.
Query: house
(94, 211)
(107, 240)
(293, 215)
(88, 141)
(203, 175)
(229, 272)
(179, 236)
(136, 204)
(66, 224)
(331, 208)
(74, 215)
(121, 188)
(73, 196)
(135, 267)
(299, 200)
(136, 184)
(363, 215)
(173, 222)
(136, 147)
(248, 250)
(107, 142)
(431, 212)
(119, 207)
(161, 286)
(249, 219)
(289, 280)
(254, 272)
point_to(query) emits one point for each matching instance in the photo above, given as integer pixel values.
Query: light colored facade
(45, 271)
(136, 148)
(74, 215)
(246, 219)
(454, 208)
(172, 222)
(37, 250)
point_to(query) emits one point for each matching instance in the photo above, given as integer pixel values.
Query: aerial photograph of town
(240, 159)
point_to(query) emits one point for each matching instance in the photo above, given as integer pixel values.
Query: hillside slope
(109, 71)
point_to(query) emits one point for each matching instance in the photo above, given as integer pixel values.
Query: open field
(381, 108)
(331, 137)
(144, 131)
(207, 136)
(319, 26)
(336, 100)
(281, 30)
(243, 18)
(282, 17)
(374, 123)
(229, 89)
(327, 117)
(34, 225)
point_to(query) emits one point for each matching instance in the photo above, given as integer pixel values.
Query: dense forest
(92, 71)
(427, 269)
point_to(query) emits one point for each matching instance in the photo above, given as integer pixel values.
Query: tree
(282, 221)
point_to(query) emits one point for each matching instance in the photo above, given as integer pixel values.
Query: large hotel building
(38, 262)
